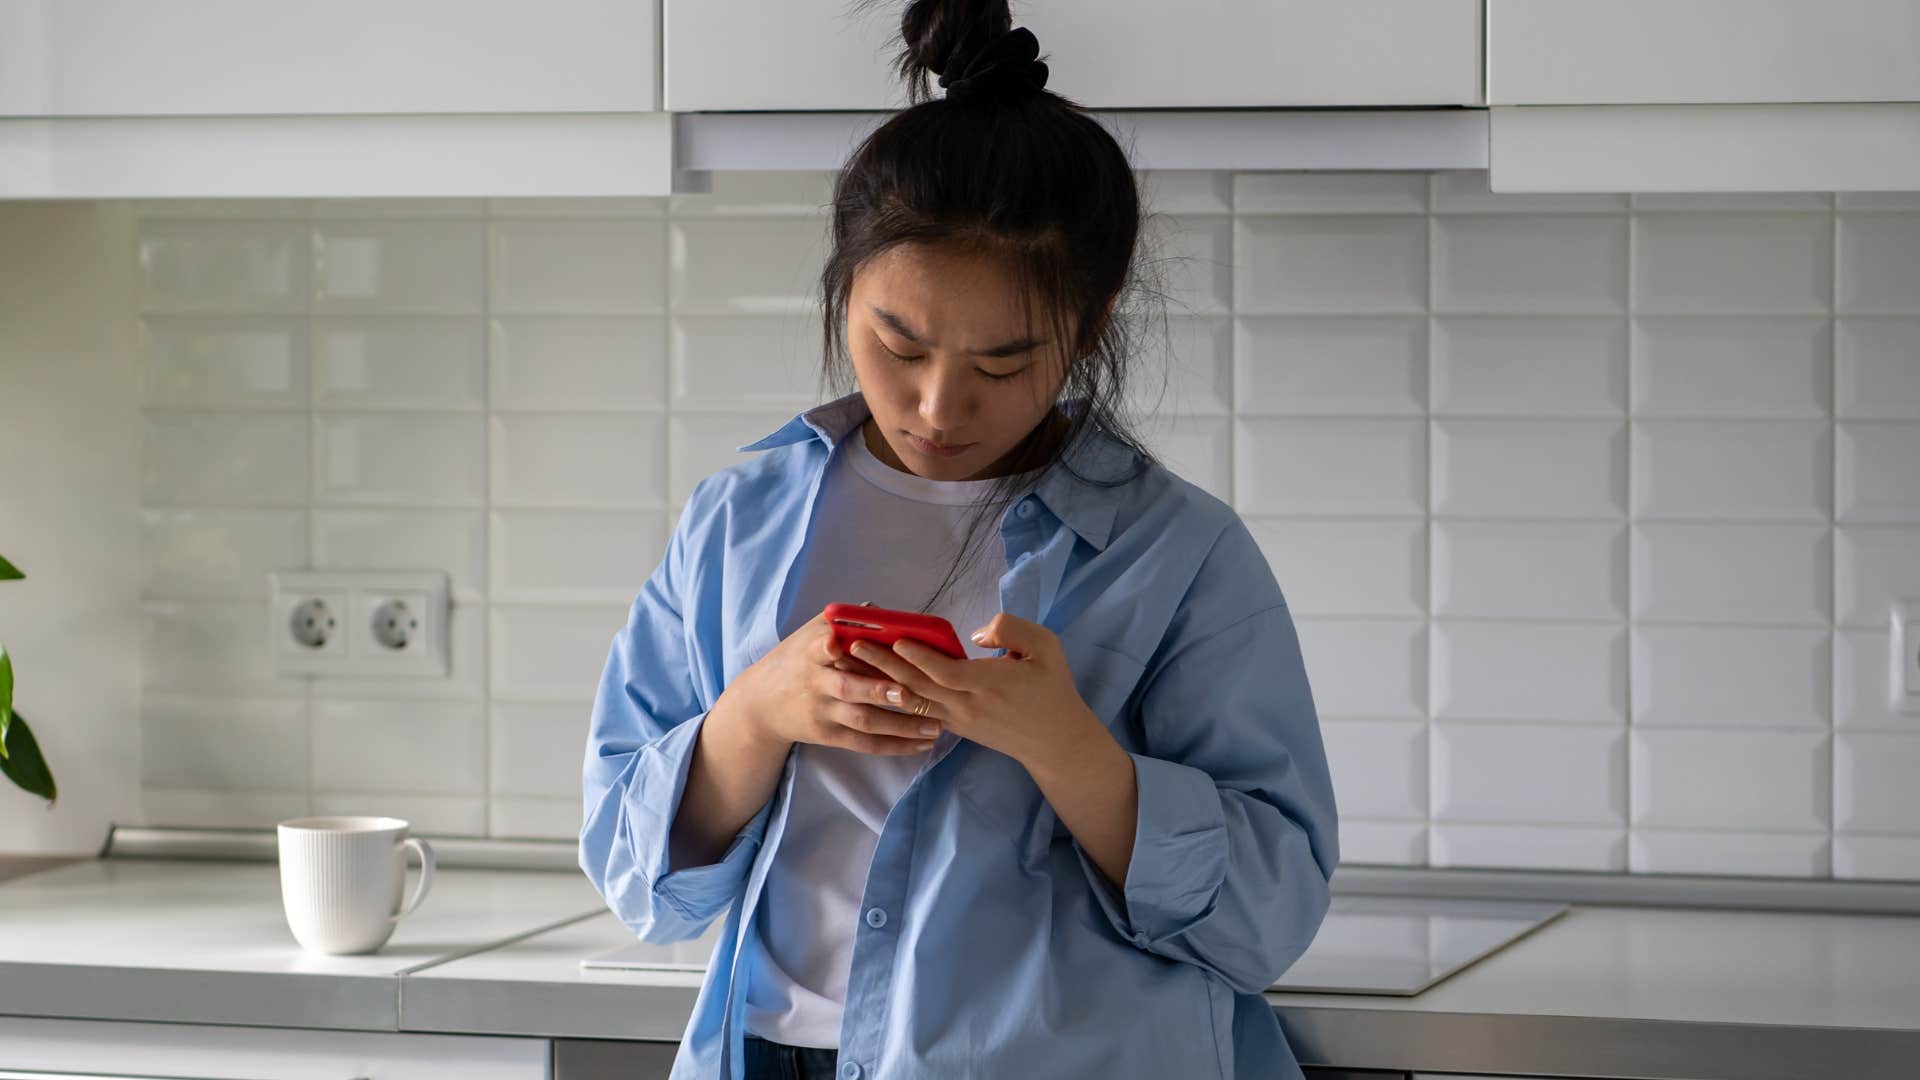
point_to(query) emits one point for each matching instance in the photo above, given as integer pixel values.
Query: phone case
(884, 626)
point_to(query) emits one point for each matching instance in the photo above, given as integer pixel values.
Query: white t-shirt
(909, 533)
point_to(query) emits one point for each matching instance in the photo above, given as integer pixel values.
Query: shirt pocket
(1107, 679)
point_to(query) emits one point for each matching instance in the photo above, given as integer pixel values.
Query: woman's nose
(943, 405)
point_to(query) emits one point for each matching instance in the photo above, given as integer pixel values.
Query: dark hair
(1028, 178)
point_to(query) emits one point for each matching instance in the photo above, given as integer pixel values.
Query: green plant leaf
(24, 765)
(9, 572)
(6, 698)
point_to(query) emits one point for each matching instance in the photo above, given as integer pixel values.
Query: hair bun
(1004, 65)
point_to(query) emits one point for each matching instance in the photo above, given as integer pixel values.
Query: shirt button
(1140, 939)
(876, 917)
(1025, 509)
(850, 1071)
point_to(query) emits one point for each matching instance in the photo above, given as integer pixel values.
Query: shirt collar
(1088, 509)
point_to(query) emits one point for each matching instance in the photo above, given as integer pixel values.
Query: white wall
(69, 516)
(1588, 509)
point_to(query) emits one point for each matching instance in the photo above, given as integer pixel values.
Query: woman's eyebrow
(899, 325)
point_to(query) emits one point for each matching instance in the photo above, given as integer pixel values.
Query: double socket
(368, 622)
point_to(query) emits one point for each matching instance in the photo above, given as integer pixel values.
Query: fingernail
(893, 694)
(929, 729)
(978, 636)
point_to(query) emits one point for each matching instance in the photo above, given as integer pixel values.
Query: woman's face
(953, 379)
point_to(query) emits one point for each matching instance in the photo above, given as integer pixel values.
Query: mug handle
(425, 854)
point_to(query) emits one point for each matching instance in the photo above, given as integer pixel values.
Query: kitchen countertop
(1600, 991)
(207, 942)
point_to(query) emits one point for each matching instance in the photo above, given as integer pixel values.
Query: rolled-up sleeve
(1235, 841)
(646, 722)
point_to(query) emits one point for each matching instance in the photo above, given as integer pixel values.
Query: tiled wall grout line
(1833, 536)
(487, 539)
(1431, 619)
(308, 693)
(1628, 621)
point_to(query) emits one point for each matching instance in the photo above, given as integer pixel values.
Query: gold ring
(923, 706)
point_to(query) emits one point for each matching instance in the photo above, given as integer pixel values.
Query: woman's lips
(936, 449)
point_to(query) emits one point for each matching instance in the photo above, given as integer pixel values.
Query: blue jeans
(769, 1060)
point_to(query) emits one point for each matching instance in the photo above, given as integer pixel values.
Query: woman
(1085, 849)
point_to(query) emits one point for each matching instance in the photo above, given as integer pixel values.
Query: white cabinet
(1703, 95)
(130, 99)
(63, 58)
(113, 1050)
(1627, 52)
(1104, 54)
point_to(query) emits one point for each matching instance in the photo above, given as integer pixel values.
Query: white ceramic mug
(340, 880)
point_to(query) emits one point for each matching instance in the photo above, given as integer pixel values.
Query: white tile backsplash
(1329, 193)
(1485, 669)
(399, 747)
(1326, 466)
(1740, 263)
(399, 362)
(249, 267)
(1879, 264)
(235, 362)
(1529, 263)
(1699, 366)
(1757, 470)
(223, 554)
(1734, 573)
(1347, 365)
(1879, 368)
(1366, 668)
(1529, 569)
(1529, 366)
(1735, 677)
(1878, 472)
(1528, 847)
(1585, 573)
(726, 362)
(1330, 566)
(1329, 264)
(1536, 774)
(399, 459)
(575, 556)
(1529, 468)
(593, 267)
(225, 459)
(1743, 781)
(551, 653)
(418, 267)
(577, 363)
(599, 460)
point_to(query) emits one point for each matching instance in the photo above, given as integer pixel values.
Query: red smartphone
(884, 626)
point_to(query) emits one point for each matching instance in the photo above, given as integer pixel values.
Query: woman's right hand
(803, 691)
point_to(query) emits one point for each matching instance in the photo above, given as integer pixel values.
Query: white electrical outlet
(370, 622)
(1903, 689)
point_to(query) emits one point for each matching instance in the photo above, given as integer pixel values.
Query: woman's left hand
(1023, 704)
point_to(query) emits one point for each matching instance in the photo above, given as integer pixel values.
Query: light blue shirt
(991, 945)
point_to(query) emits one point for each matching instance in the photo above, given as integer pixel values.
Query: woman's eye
(995, 376)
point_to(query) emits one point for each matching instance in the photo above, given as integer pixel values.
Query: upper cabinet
(1660, 52)
(1703, 95)
(70, 58)
(104, 99)
(781, 55)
